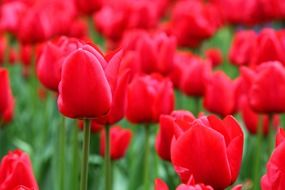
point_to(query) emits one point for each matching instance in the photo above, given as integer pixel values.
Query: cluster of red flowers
(137, 77)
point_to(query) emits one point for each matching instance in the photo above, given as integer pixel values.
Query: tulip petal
(204, 143)
(84, 91)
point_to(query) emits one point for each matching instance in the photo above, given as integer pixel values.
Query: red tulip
(90, 86)
(148, 97)
(220, 94)
(267, 92)
(194, 76)
(115, 18)
(167, 129)
(49, 62)
(79, 29)
(44, 20)
(6, 97)
(181, 60)
(274, 177)
(149, 53)
(280, 136)
(268, 47)
(210, 150)
(215, 56)
(160, 185)
(16, 170)
(119, 141)
(10, 15)
(192, 27)
(242, 47)
(252, 11)
(156, 53)
(87, 6)
(274, 9)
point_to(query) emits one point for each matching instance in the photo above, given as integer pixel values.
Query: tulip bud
(148, 97)
(16, 172)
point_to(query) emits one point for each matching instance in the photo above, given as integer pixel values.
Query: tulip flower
(90, 88)
(50, 60)
(120, 139)
(268, 47)
(148, 97)
(210, 150)
(87, 81)
(149, 52)
(115, 18)
(180, 61)
(43, 21)
(156, 53)
(220, 94)
(167, 129)
(215, 56)
(242, 47)
(192, 27)
(6, 97)
(11, 13)
(87, 6)
(274, 177)
(252, 11)
(194, 76)
(267, 91)
(16, 170)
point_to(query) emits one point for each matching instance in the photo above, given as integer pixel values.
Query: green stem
(271, 134)
(197, 106)
(7, 52)
(62, 153)
(74, 177)
(84, 166)
(146, 157)
(170, 177)
(256, 177)
(108, 172)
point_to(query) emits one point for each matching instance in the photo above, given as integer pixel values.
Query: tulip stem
(197, 106)
(74, 177)
(146, 157)
(108, 171)
(258, 154)
(271, 134)
(62, 153)
(84, 166)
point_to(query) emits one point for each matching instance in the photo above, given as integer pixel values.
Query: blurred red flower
(274, 177)
(192, 27)
(120, 139)
(220, 95)
(267, 90)
(167, 129)
(16, 172)
(51, 58)
(215, 56)
(6, 97)
(148, 97)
